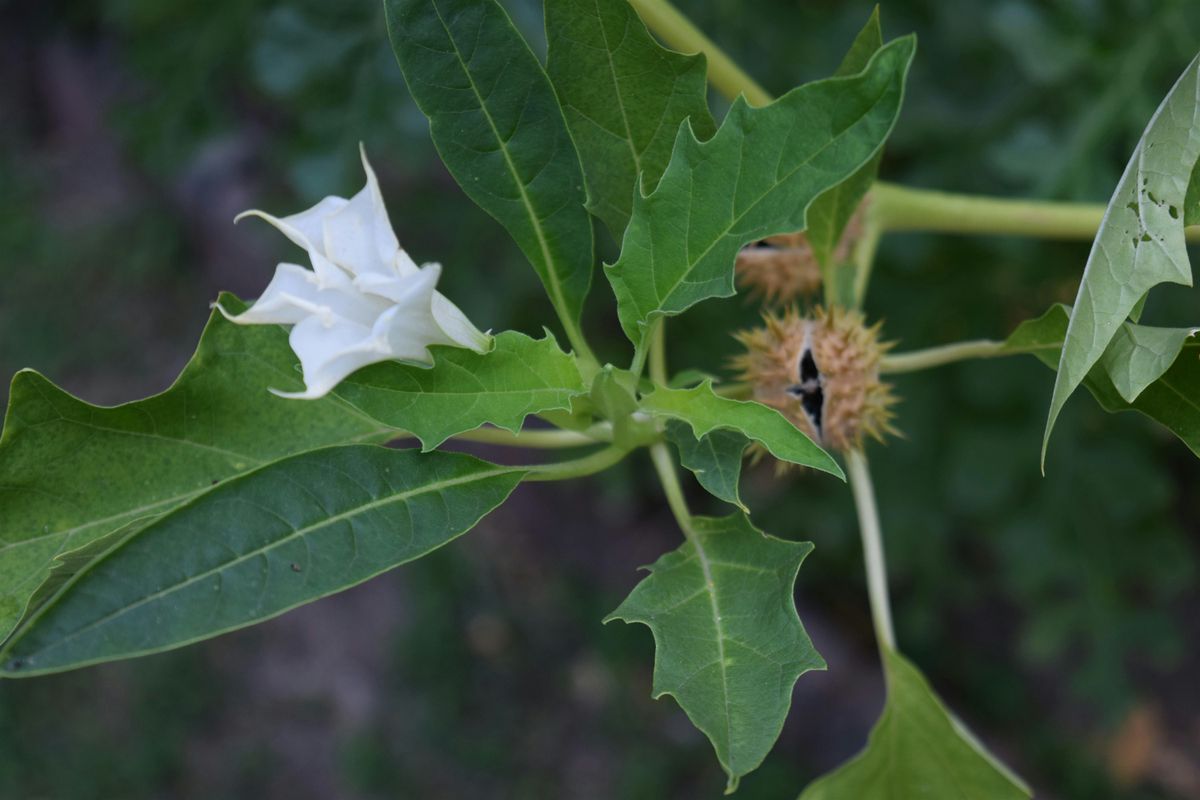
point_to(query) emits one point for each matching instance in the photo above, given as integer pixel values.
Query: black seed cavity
(808, 391)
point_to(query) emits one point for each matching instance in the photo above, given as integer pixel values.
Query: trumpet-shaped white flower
(365, 300)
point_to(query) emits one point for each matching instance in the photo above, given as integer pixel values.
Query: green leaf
(1191, 200)
(715, 459)
(918, 749)
(464, 389)
(729, 644)
(830, 213)
(705, 412)
(624, 96)
(498, 127)
(754, 178)
(71, 472)
(256, 546)
(1140, 242)
(1138, 355)
(1171, 399)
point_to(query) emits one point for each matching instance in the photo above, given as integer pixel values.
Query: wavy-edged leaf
(715, 458)
(1170, 397)
(830, 213)
(497, 124)
(918, 749)
(705, 412)
(517, 377)
(729, 645)
(71, 472)
(624, 97)
(755, 177)
(256, 546)
(1140, 243)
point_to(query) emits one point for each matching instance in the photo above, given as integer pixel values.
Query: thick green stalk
(549, 438)
(943, 354)
(872, 540)
(900, 208)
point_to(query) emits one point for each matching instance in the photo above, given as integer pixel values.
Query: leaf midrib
(543, 246)
(262, 551)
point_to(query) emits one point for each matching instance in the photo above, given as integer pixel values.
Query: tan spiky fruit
(780, 270)
(822, 373)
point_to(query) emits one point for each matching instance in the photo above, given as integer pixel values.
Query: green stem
(658, 353)
(943, 354)
(578, 467)
(680, 33)
(642, 350)
(664, 465)
(872, 539)
(900, 208)
(538, 439)
(863, 255)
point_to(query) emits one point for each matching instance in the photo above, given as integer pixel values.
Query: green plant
(215, 505)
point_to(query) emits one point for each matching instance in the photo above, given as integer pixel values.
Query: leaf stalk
(872, 540)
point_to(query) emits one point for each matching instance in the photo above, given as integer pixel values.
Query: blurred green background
(1059, 616)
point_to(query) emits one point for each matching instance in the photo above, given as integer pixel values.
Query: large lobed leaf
(705, 412)
(1140, 242)
(1164, 366)
(256, 546)
(729, 644)
(624, 97)
(755, 177)
(917, 749)
(497, 124)
(71, 472)
(517, 377)
(830, 212)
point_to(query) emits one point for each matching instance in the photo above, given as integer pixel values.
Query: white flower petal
(295, 292)
(359, 237)
(457, 328)
(330, 352)
(300, 229)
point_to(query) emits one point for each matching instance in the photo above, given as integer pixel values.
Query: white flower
(365, 300)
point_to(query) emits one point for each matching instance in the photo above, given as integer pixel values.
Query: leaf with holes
(517, 377)
(624, 96)
(729, 644)
(498, 127)
(755, 177)
(256, 546)
(705, 412)
(71, 472)
(1140, 242)
(918, 749)
(715, 458)
(1170, 397)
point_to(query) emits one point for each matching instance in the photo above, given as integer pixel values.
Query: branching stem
(577, 467)
(899, 208)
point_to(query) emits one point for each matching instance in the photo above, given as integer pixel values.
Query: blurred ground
(1059, 616)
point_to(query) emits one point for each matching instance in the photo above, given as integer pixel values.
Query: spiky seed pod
(782, 269)
(822, 373)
